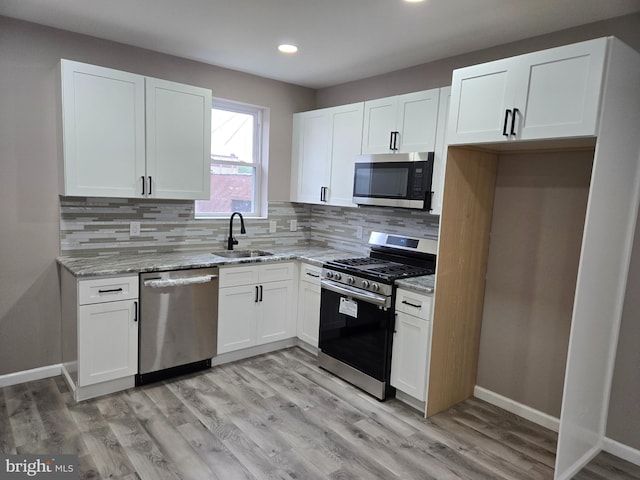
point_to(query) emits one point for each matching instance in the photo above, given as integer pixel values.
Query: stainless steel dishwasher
(178, 322)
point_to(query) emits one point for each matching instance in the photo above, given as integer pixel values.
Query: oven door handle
(356, 293)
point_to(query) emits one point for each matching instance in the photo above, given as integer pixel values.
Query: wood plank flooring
(276, 416)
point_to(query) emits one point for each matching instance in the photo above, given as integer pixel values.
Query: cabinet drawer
(101, 290)
(310, 273)
(413, 303)
(274, 272)
(252, 274)
(235, 276)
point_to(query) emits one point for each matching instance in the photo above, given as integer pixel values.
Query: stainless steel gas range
(357, 308)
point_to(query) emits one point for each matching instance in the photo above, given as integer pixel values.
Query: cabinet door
(346, 136)
(275, 320)
(410, 355)
(379, 121)
(308, 318)
(311, 156)
(440, 154)
(559, 95)
(107, 341)
(417, 116)
(480, 97)
(237, 318)
(178, 140)
(308, 313)
(103, 131)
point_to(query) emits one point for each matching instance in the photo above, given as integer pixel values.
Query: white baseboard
(524, 411)
(30, 375)
(621, 450)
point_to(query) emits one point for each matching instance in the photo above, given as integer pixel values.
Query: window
(236, 161)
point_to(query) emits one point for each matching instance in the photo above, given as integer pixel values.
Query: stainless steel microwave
(394, 180)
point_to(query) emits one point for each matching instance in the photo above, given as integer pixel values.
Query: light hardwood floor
(276, 416)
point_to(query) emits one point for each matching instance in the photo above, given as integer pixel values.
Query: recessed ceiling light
(286, 48)
(414, 1)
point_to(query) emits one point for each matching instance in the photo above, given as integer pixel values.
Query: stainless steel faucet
(231, 241)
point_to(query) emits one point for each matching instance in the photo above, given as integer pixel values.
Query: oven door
(356, 328)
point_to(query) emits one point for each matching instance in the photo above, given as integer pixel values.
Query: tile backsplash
(95, 226)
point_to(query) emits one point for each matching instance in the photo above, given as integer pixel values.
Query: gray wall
(438, 73)
(624, 413)
(536, 233)
(29, 238)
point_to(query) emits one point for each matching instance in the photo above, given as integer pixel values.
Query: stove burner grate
(356, 262)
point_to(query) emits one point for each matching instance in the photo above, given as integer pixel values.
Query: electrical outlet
(272, 226)
(358, 231)
(134, 229)
(293, 225)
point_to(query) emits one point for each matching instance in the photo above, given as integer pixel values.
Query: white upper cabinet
(178, 140)
(325, 145)
(103, 131)
(311, 164)
(117, 143)
(403, 123)
(553, 93)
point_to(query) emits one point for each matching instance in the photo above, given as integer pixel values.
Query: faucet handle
(234, 241)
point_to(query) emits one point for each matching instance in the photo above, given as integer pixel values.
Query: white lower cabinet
(107, 341)
(99, 333)
(308, 324)
(411, 344)
(255, 305)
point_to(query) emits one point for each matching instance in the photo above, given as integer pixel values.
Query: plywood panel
(460, 278)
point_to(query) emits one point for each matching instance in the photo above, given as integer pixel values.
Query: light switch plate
(134, 229)
(293, 225)
(358, 231)
(272, 226)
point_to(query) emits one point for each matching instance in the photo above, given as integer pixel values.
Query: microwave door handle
(391, 140)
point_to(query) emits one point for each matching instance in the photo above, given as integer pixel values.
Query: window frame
(259, 163)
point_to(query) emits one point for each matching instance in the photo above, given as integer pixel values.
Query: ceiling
(338, 40)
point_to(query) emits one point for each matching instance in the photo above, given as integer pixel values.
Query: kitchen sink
(242, 253)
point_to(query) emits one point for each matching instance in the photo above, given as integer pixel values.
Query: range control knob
(375, 287)
(337, 276)
(365, 284)
(329, 274)
(351, 280)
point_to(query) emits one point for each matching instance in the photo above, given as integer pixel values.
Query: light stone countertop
(134, 263)
(424, 284)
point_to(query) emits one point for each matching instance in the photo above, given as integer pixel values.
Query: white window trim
(260, 156)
